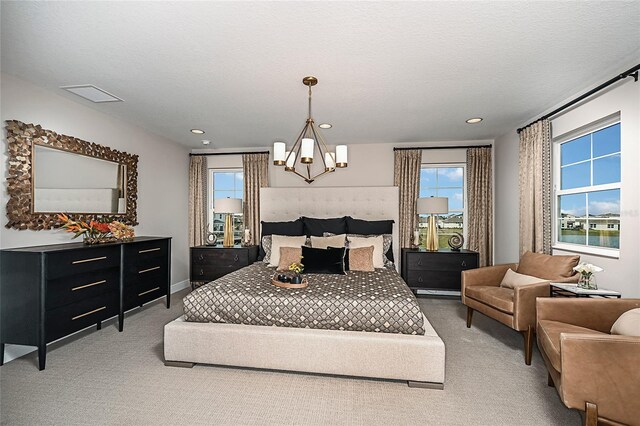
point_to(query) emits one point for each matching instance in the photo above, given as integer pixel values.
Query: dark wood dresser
(51, 291)
(212, 262)
(436, 271)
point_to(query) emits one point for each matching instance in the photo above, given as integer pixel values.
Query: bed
(377, 342)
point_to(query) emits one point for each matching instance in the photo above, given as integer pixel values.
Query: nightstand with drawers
(209, 263)
(436, 272)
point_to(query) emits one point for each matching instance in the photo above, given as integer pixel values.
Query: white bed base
(418, 359)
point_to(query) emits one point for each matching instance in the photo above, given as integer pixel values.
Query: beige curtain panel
(407, 178)
(535, 188)
(197, 200)
(256, 176)
(480, 204)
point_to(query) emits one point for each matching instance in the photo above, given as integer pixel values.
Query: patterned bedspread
(376, 301)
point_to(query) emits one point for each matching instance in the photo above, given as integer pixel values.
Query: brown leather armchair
(515, 308)
(592, 370)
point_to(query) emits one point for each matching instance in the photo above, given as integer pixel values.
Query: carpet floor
(106, 377)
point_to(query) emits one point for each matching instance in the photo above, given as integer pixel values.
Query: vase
(587, 282)
(296, 279)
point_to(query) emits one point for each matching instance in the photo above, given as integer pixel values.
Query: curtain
(535, 188)
(480, 204)
(407, 178)
(197, 200)
(256, 176)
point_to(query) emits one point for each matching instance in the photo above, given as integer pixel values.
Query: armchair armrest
(524, 303)
(601, 369)
(596, 314)
(489, 275)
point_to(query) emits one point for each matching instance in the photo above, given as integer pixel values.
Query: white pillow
(278, 241)
(377, 242)
(627, 324)
(513, 279)
(325, 242)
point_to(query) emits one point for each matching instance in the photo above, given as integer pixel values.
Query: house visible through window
(587, 188)
(444, 180)
(225, 183)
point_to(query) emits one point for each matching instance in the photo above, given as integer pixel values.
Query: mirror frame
(21, 138)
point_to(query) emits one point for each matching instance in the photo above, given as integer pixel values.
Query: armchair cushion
(498, 297)
(628, 324)
(513, 279)
(547, 267)
(549, 338)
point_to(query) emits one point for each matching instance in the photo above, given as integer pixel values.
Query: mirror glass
(73, 183)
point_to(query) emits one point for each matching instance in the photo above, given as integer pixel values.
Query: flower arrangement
(587, 279)
(95, 232)
(296, 268)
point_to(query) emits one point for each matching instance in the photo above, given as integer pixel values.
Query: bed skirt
(414, 358)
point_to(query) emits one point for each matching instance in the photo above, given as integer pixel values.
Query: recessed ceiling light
(474, 120)
(197, 131)
(92, 93)
(325, 126)
(205, 142)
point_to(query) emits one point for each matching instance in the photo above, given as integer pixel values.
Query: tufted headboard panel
(369, 203)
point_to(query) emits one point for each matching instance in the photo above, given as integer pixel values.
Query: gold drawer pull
(88, 285)
(149, 250)
(93, 259)
(88, 313)
(148, 291)
(150, 269)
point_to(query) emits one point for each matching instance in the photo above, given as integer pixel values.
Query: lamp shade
(291, 158)
(227, 205)
(279, 149)
(341, 155)
(433, 205)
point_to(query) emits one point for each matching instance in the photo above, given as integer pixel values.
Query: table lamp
(228, 206)
(432, 206)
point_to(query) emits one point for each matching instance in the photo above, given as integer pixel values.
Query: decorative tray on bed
(274, 281)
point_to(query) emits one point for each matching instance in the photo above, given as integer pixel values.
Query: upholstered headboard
(369, 203)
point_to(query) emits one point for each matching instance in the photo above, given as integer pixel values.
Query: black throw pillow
(369, 227)
(317, 227)
(323, 261)
(293, 228)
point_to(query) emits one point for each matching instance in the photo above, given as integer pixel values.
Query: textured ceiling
(388, 72)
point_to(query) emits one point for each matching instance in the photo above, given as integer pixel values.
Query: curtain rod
(202, 154)
(632, 72)
(444, 147)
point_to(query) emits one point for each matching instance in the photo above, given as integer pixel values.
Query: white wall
(369, 164)
(621, 274)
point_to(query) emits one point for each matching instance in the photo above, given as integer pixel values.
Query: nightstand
(437, 272)
(212, 262)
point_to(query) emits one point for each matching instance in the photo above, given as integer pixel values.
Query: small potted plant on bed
(296, 268)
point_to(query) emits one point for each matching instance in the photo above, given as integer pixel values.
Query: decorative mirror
(50, 174)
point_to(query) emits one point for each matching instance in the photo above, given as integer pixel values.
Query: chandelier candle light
(432, 206)
(228, 206)
(307, 143)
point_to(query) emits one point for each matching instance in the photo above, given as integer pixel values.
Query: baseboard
(12, 352)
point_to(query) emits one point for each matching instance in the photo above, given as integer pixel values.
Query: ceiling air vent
(92, 93)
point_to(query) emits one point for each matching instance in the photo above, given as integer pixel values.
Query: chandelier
(299, 159)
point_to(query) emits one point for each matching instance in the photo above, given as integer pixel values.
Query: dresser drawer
(67, 290)
(140, 252)
(71, 262)
(220, 257)
(138, 295)
(146, 274)
(71, 318)
(437, 280)
(441, 262)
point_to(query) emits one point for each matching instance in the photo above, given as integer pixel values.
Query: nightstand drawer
(461, 262)
(438, 280)
(209, 273)
(224, 258)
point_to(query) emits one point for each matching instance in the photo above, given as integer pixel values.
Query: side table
(572, 290)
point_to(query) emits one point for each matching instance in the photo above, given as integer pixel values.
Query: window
(587, 190)
(444, 180)
(225, 183)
